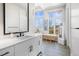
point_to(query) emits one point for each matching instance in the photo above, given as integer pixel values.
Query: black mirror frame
(5, 19)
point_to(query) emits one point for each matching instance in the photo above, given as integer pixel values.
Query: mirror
(16, 17)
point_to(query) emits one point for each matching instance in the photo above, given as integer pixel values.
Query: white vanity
(22, 46)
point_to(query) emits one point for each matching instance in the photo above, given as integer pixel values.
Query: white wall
(1, 19)
(31, 18)
(2, 22)
(67, 25)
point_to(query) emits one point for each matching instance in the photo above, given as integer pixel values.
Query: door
(56, 23)
(75, 42)
(74, 29)
(11, 18)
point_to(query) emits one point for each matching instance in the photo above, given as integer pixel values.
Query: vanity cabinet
(29, 47)
(7, 52)
(24, 48)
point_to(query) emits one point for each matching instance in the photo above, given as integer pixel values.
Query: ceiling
(46, 5)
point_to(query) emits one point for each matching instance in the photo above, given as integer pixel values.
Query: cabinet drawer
(22, 49)
(7, 52)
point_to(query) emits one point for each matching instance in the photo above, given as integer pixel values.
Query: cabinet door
(74, 29)
(24, 48)
(7, 52)
(75, 42)
(21, 49)
(23, 18)
(11, 18)
(36, 46)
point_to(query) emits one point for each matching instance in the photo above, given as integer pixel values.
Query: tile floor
(54, 49)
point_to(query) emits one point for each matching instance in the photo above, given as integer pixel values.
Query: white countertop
(33, 34)
(7, 42)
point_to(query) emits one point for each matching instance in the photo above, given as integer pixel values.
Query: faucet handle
(21, 34)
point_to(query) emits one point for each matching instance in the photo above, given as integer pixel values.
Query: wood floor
(54, 49)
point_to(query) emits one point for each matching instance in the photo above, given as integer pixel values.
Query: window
(39, 20)
(55, 21)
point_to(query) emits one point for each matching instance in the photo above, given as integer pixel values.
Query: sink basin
(24, 37)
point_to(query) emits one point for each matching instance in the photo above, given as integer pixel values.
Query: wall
(67, 25)
(1, 19)
(31, 18)
(1, 23)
